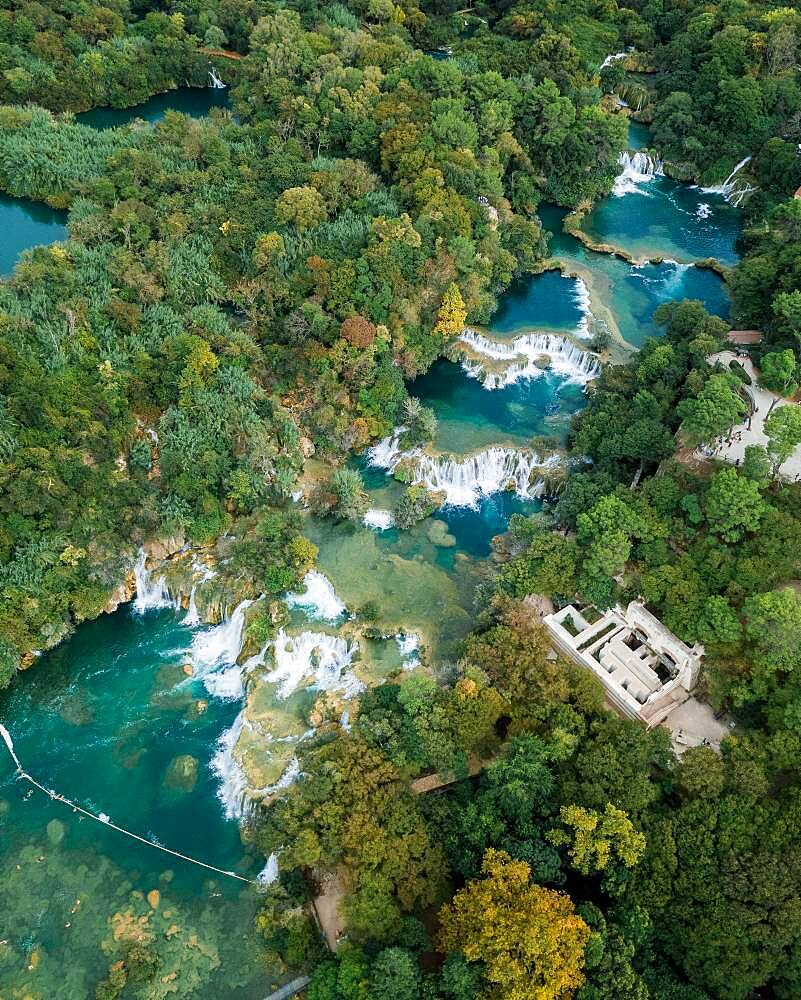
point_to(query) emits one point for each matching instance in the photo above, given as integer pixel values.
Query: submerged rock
(56, 831)
(181, 773)
(439, 535)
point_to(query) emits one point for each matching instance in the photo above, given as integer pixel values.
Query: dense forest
(242, 291)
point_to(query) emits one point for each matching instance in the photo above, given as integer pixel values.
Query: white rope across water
(107, 822)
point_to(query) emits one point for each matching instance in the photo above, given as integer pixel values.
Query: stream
(143, 715)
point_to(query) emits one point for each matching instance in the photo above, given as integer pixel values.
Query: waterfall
(325, 658)
(150, 594)
(269, 873)
(615, 57)
(465, 481)
(233, 785)
(192, 616)
(409, 648)
(637, 168)
(387, 452)
(379, 519)
(215, 83)
(220, 647)
(729, 188)
(581, 296)
(562, 356)
(319, 600)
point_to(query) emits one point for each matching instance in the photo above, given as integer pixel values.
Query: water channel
(112, 719)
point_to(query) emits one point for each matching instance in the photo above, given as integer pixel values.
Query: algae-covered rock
(181, 773)
(56, 831)
(438, 534)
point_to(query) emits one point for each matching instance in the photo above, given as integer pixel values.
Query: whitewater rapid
(530, 356)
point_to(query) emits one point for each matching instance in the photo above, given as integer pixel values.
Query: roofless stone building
(645, 669)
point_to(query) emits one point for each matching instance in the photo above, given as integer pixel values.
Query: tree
(716, 408)
(358, 331)
(529, 938)
(596, 840)
(395, 976)
(756, 464)
(452, 313)
(302, 206)
(773, 627)
(783, 430)
(779, 372)
(733, 505)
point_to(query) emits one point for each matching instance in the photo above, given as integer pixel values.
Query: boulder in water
(56, 831)
(439, 535)
(181, 773)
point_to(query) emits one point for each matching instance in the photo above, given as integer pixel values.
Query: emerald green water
(547, 301)
(667, 219)
(25, 224)
(104, 717)
(471, 417)
(631, 294)
(100, 719)
(193, 101)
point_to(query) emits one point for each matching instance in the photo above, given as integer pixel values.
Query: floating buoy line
(102, 818)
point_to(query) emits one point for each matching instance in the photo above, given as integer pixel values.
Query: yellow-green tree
(529, 938)
(452, 312)
(596, 839)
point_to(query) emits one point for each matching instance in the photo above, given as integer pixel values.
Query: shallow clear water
(631, 294)
(548, 301)
(102, 719)
(25, 224)
(193, 101)
(471, 417)
(663, 218)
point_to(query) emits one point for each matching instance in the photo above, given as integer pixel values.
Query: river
(113, 720)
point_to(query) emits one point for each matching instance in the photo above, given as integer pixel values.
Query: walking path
(763, 401)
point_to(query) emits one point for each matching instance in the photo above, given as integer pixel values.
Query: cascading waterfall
(217, 648)
(386, 453)
(326, 659)
(730, 188)
(615, 57)
(215, 83)
(562, 356)
(269, 873)
(192, 615)
(150, 594)
(638, 168)
(408, 644)
(581, 296)
(319, 599)
(465, 481)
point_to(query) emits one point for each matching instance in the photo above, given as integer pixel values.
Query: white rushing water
(409, 647)
(464, 481)
(613, 58)
(323, 659)
(732, 189)
(192, 614)
(215, 83)
(319, 599)
(581, 296)
(531, 356)
(150, 593)
(269, 873)
(215, 652)
(637, 168)
(378, 519)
